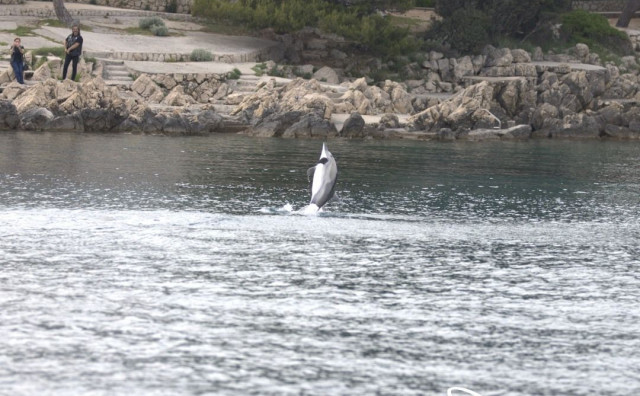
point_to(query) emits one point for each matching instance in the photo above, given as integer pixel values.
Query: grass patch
(22, 31)
(45, 51)
(57, 23)
(52, 22)
(414, 25)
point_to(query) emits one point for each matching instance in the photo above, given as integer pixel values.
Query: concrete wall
(181, 6)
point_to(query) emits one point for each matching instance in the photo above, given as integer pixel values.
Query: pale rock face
(498, 57)
(165, 80)
(177, 97)
(359, 85)
(328, 75)
(38, 95)
(13, 90)
(148, 89)
(520, 56)
(464, 67)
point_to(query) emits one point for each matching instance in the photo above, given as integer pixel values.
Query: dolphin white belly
(325, 174)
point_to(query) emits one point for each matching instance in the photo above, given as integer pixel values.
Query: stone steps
(114, 72)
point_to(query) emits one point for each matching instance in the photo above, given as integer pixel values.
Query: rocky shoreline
(502, 94)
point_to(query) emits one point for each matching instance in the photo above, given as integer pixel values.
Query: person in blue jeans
(73, 49)
(17, 59)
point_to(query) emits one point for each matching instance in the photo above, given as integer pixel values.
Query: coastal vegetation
(155, 25)
(463, 26)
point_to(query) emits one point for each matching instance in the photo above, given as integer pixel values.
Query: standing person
(73, 49)
(17, 59)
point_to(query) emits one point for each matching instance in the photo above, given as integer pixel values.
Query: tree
(630, 7)
(62, 13)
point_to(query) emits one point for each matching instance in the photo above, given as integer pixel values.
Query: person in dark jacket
(17, 59)
(73, 49)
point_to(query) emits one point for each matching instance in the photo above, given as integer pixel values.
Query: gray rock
(67, 123)
(174, 124)
(389, 121)
(327, 74)
(463, 67)
(520, 56)
(497, 57)
(582, 51)
(434, 56)
(518, 132)
(311, 126)
(35, 118)
(274, 125)
(543, 114)
(578, 126)
(353, 126)
(205, 122)
(619, 132)
(9, 118)
(537, 55)
(100, 120)
(446, 134)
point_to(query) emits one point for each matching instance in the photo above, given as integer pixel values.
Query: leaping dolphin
(325, 173)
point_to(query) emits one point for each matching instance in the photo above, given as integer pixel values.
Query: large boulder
(39, 95)
(274, 125)
(311, 126)
(353, 126)
(327, 74)
(459, 113)
(35, 118)
(148, 89)
(497, 57)
(13, 90)
(177, 97)
(578, 126)
(9, 118)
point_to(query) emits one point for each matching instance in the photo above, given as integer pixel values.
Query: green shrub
(159, 30)
(580, 26)
(371, 32)
(275, 72)
(200, 55)
(234, 74)
(424, 3)
(514, 18)
(260, 69)
(146, 23)
(466, 30)
(172, 6)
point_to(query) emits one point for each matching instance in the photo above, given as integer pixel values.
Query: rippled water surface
(141, 265)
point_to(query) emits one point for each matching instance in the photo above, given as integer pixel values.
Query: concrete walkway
(107, 41)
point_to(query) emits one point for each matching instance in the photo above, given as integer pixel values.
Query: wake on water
(308, 210)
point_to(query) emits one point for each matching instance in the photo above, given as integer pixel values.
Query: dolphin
(325, 174)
